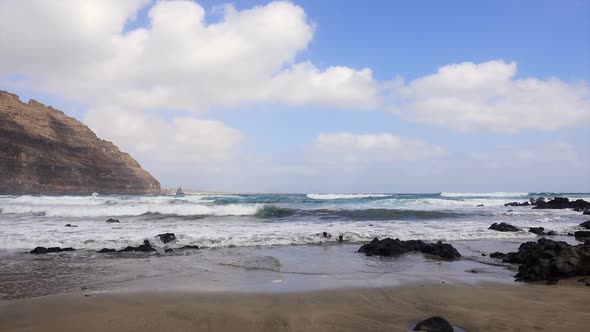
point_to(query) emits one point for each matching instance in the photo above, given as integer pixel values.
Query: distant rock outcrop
(44, 151)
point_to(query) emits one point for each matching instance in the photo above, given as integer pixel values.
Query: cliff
(43, 151)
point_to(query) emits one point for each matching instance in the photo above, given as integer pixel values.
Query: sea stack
(179, 192)
(45, 152)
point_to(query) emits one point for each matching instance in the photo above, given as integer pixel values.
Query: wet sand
(484, 307)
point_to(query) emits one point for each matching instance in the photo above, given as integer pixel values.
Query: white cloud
(179, 61)
(387, 149)
(473, 97)
(185, 141)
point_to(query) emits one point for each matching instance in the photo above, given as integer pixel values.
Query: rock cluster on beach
(389, 247)
(548, 260)
(43, 151)
(145, 247)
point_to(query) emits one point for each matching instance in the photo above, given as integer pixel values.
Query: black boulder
(434, 324)
(504, 227)
(166, 237)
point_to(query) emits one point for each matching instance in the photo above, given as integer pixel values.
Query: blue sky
(273, 138)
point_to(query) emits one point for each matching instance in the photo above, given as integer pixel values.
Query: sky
(319, 96)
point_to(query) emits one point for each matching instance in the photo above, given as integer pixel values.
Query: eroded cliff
(44, 151)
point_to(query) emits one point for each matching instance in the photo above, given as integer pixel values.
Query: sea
(310, 240)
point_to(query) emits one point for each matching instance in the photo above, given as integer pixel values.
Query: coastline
(483, 307)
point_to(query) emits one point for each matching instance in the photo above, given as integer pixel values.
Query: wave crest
(345, 196)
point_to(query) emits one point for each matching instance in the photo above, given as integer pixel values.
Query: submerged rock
(517, 204)
(549, 260)
(504, 227)
(190, 247)
(582, 234)
(70, 225)
(168, 250)
(110, 220)
(145, 247)
(166, 237)
(585, 224)
(43, 250)
(389, 247)
(541, 231)
(537, 230)
(434, 324)
(106, 250)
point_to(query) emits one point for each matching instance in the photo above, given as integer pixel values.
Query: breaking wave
(494, 194)
(345, 196)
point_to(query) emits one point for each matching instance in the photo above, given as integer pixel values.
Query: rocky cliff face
(44, 151)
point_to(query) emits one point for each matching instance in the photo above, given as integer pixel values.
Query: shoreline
(483, 307)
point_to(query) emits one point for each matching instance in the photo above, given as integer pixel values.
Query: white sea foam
(29, 221)
(132, 210)
(494, 194)
(344, 196)
(94, 235)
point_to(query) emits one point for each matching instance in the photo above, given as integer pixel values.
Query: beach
(277, 263)
(486, 307)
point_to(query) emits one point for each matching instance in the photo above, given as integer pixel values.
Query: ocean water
(258, 243)
(218, 221)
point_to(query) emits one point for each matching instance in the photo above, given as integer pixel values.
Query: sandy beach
(564, 307)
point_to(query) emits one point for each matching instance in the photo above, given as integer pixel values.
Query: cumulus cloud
(388, 149)
(487, 96)
(80, 50)
(182, 139)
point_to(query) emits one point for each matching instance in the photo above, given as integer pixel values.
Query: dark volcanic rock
(189, 247)
(582, 234)
(549, 260)
(434, 324)
(562, 203)
(145, 247)
(166, 237)
(70, 225)
(585, 224)
(106, 250)
(39, 250)
(43, 250)
(517, 204)
(110, 220)
(168, 250)
(44, 151)
(389, 247)
(504, 227)
(497, 255)
(541, 231)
